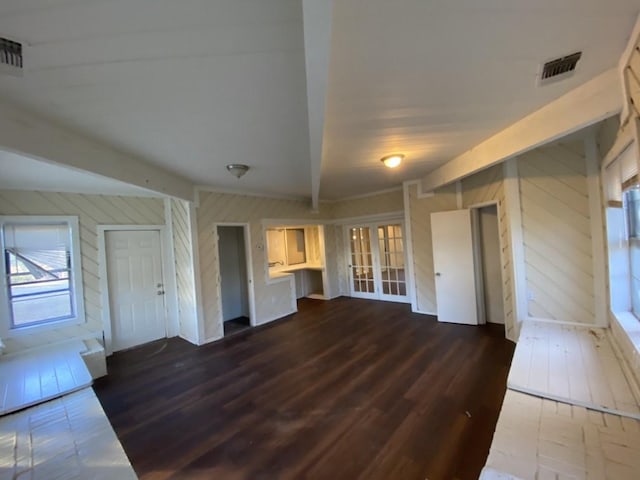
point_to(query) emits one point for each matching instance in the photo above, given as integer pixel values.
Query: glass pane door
(362, 280)
(392, 268)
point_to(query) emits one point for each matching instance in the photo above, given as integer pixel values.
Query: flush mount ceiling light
(237, 169)
(392, 161)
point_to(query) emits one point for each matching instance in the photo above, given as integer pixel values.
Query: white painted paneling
(312, 241)
(556, 222)
(385, 202)
(273, 299)
(427, 78)
(570, 364)
(488, 186)
(542, 439)
(207, 84)
(625, 330)
(92, 211)
(30, 378)
(586, 105)
(491, 264)
(342, 260)
(420, 224)
(630, 63)
(24, 173)
(28, 134)
(185, 275)
(70, 437)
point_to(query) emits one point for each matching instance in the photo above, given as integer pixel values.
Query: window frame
(76, 283)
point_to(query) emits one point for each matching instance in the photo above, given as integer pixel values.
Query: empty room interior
(320, 239)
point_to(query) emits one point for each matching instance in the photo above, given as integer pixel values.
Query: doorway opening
(488, 262)
(467, 260)
(234, 279)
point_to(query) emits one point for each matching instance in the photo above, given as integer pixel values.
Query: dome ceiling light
(237, 169)
(392, 161)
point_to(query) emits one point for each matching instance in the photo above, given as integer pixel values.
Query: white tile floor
(67, 438)
(40, 375)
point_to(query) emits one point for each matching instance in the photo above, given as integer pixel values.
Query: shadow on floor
(236, 325)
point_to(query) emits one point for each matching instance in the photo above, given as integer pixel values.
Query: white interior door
(136, 287)
(453, 264)
(363, 283)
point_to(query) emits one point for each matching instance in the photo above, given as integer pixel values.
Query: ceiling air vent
(10, 56)
(559, 68)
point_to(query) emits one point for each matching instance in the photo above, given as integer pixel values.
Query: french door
(377, 262)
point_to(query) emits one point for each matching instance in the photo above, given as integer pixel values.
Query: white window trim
(76, 268)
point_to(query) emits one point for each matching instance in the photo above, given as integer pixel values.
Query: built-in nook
(298, 250)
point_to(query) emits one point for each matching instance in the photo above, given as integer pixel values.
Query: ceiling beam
(592, 102)
(317, 15)
(30, 135)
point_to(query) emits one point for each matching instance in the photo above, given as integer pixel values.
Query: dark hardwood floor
(343, 389)
(232, 327)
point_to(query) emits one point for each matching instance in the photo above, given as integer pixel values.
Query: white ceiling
(190, 85)
(194, 85)
(22, 173)
(433, 79)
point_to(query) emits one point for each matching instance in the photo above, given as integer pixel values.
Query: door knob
(438, 274)
(160, 292)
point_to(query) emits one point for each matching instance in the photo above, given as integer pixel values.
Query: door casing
(249, 259)
(376, 261)
(171, 325)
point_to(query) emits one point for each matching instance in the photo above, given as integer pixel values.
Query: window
(296, 252)
(286, 246)
(631, 202)
(42, 284)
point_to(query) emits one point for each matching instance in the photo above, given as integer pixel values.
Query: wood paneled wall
(185, 275)
(487, 186)
(420, 210)
(272, 299)
(372, 204)
(557, 233)
(92, 210)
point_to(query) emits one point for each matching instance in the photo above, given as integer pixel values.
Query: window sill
(45, 327)
(626, 329)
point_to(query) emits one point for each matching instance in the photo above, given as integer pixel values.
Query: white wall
(557, 233)
(420, 210)
(273, 299)
(185, 274)
(384, 202)
(553, 194)
(92, 210)
(489, 186)
(491, 264)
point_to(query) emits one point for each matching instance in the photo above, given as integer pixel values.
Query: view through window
(38, 273)
(632, 211)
